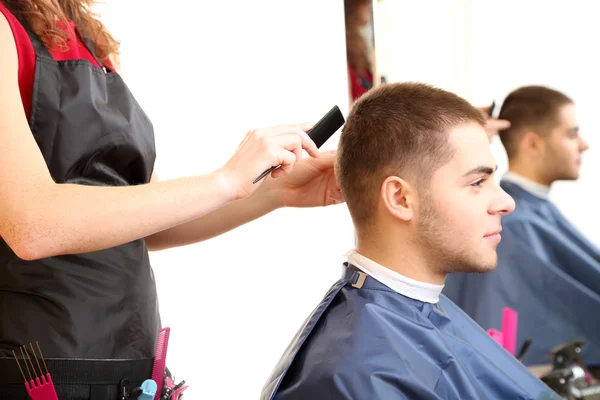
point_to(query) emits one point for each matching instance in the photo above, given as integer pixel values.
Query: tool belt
(80, 379)
(83, 372)
(89, 379)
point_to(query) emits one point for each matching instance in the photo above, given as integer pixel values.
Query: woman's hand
(311, 184)
(264, 148)
(493, 126)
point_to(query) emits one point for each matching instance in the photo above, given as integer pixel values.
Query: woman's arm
(222, 220)
(40, 218)
(311, 184)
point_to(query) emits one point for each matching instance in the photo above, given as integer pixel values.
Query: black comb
(491, 110)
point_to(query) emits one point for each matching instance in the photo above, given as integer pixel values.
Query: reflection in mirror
(482, 52)
(360, 47)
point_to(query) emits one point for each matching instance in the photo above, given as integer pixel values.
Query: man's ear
(532, 143)
(399, 198)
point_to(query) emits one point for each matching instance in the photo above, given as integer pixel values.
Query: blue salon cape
(372, 343)
(547, 271)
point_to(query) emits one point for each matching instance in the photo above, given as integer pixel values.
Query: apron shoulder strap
(90, 46)
(38, 46)
(42, 51)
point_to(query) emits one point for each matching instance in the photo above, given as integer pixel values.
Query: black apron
(94, 306)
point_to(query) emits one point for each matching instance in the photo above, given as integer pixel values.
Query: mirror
(360, 25)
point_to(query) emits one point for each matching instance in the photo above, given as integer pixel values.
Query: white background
(206, 72)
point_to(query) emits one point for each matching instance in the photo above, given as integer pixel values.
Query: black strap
(39, 47)
(91, 47)
(100, 392)
(42, 51)
(89, 44)
(84, 38)
(85, 372)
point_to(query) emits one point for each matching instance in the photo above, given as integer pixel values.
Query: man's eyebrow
(482, 169)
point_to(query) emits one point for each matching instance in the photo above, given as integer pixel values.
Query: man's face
(561, 159)
(459, 218)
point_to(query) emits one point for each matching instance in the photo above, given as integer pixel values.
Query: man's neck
(528, 173)
(534, 188)
(401, 257)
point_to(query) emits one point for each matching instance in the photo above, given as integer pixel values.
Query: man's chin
(479, 268)
(487, 268)
(482, 269)
(573, 176)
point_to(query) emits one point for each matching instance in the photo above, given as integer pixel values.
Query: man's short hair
(399, 129)
(530, 108)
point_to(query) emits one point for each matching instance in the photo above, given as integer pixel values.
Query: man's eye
(479, 183)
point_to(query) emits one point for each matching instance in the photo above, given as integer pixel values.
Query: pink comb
(160, 360)
(42, 388)
(509, 329)
(497, 336)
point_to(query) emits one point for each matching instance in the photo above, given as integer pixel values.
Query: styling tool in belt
(160, 360)
(149, 390)
(123, 395)
(42, 387)
(173, 392)
(320, 133)
(178, 390)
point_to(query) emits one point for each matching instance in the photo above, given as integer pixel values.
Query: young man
(416, 170)
(547, 270)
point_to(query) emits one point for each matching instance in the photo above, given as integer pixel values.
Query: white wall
(484, 49)
(206, 72)
(424, 40)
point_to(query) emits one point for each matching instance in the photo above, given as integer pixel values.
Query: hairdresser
(82, 205)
